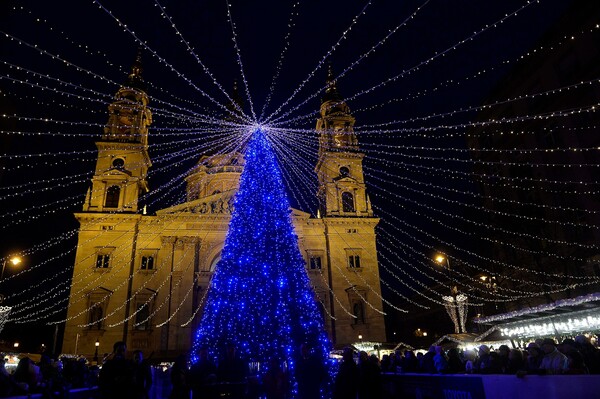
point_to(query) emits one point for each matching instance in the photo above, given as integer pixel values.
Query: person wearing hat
(553, 361)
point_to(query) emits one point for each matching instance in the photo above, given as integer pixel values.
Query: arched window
(359, 311)
(142, 317)
(214, 263)
(112, 197)
(347, 202)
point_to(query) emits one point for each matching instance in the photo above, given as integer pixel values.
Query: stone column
(165, 254)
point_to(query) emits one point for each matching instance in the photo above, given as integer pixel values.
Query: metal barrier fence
(494, 386)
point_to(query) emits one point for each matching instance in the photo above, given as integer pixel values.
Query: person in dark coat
(409, 363)
(8, 386)
(455, 363)
(427, 364)
(534, 357)
(346, 380)
(179, 378)
(516, 362)
(483, 364)
(369, 377)
(591, 354)
(116, 378)
(310, 374)
(503, 352)
(203, 376)
(142, 375)
(276, 381)
(233, 371)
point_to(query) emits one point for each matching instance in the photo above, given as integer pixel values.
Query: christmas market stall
(467, 341)
(561, 319)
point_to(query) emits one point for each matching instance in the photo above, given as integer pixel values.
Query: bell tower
(350, 254)
(339, 168)
(123, 160)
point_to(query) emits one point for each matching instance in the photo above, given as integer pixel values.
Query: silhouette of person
(369, 377)
(179, 379)
(232, 371)
(345, 385)
(116, 378)
(203, 376)
(142, 375)
(275, 380)
(310, 374)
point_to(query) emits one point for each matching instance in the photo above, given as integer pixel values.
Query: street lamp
(455, 303)
(96, 353)
(441, 259)
(14, 260)
(5, 310)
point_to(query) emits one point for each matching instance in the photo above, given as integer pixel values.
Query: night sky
(79, 49)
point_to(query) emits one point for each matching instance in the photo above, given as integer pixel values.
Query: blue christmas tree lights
(260, 298)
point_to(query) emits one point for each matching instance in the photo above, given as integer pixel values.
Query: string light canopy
(506, 186)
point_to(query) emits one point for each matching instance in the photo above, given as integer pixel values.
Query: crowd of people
(205, 379)
(544, 356)
(52, 378)
(358, 376)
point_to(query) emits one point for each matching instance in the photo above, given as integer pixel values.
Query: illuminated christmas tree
(260, 298)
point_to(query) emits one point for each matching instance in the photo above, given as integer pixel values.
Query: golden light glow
(15, 260)
(440, 258)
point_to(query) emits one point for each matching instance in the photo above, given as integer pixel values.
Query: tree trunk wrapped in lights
(260, 298)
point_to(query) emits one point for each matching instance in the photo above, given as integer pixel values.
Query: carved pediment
(219, 203)
(345, 179)
(117, 172)
(100, 294)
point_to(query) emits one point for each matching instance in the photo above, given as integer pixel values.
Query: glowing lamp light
(440, 259)
(15, 260)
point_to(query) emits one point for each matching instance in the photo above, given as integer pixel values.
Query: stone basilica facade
(142, 278)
